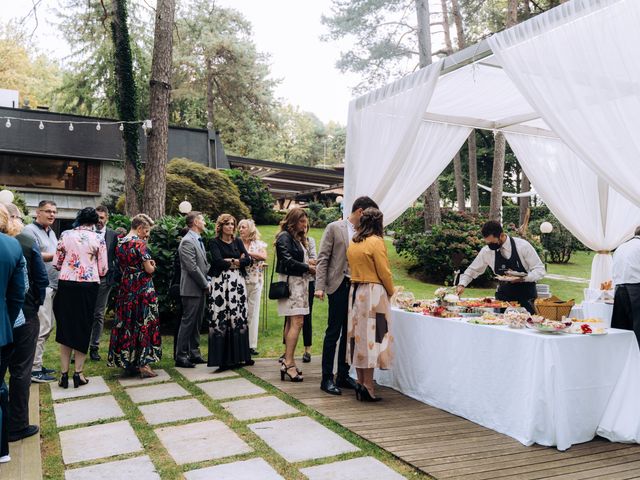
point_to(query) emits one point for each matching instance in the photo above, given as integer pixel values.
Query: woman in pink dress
(81, 257)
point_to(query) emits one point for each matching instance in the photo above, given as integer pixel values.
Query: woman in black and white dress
(228, 332)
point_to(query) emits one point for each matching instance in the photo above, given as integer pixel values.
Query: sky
(288, 30)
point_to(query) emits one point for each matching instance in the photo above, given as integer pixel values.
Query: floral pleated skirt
(369, 340)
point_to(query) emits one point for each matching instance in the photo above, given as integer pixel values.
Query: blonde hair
(7, 225)
(254, 234)
(222, 219)
(141, 220)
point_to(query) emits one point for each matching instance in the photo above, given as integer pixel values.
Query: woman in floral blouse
(81, 257)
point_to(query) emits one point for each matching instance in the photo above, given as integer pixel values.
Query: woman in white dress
(257, 249)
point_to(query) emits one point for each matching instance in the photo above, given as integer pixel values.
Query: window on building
(40, 172)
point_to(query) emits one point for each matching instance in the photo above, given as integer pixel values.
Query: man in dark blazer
(18, 356)
(194, 286)
(106, 283)
(333, 278)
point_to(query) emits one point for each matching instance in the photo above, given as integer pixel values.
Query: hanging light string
(146, 124)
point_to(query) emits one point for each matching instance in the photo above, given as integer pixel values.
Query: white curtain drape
(381, 132)
(595, 213)
(578, 65)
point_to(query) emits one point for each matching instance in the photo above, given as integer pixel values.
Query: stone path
(217, 433)
(565, 278)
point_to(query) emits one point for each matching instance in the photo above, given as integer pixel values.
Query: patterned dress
(135, 337)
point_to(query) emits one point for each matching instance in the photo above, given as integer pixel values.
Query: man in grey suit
(333, 277)
(194, 286)
(106, 283)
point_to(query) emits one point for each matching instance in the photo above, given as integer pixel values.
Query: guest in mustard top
(368, 337)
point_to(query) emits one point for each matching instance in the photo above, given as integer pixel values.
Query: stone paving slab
(261, 407)
(235, 387)
(98, 441)
(167, 412)
(202, 373)
(86, 410)
(253, 469)
(96, 386)
(364, 468)
(151, 393)
(137, 381)
(139, 468)
(197, 442)
(301, 438)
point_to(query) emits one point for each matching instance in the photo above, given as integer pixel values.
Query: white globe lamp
(339, 199)
(185, 207)
(546, 227)
(6, 196)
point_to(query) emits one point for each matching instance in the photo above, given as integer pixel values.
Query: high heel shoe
(146, 372)
(79, 381)
(284, 370)
(359, 389)
(365, 395)
(64, 380)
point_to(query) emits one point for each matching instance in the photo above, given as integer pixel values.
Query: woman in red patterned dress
(135, 337)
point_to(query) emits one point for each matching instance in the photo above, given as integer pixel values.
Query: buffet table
(550, 389)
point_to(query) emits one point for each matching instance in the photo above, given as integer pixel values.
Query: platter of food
(513, 273)
(507, 278)
(487, 302)
(587, 326)
(488, 319)
(544, 325)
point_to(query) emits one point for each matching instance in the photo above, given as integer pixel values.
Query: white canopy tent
(564, 87)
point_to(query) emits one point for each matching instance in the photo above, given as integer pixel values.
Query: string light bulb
(121, 127)
(98, 126)
(8, 124)
(41, 126)
(70, 127)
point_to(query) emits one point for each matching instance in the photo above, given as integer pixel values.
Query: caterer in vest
(512, 258)
(626, 277)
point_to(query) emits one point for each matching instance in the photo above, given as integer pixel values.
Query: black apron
(523, 292)
(626, 306)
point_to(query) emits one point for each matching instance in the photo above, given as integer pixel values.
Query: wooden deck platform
(446, 446)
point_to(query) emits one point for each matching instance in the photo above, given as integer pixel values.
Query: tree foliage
(254, 193)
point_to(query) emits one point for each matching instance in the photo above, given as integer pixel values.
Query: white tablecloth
(554, 390)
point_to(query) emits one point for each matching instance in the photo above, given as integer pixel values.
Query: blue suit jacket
(12, 286)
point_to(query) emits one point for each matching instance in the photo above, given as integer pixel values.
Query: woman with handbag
(229, 329)
(292, 288)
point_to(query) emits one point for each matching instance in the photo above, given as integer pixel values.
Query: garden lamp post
(545, 229)
(185, 207)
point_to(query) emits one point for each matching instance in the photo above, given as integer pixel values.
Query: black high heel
(64, 380)
(77, 381)
(284, 370)
(365, 395)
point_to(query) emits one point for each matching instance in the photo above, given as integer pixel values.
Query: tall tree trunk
(210, 106)
(457, 172)
(127, 104)
(432, 195)
(155, 184)
(524, 202)
(457, 164)
(473, 173)
(497, 179)
(457, 19)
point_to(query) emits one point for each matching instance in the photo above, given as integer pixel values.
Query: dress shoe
(328, 386)
(306, 357)
(346, 382)
(94, 354)
(24, 433)
(185, 364)
(197, 360)
(254, 352)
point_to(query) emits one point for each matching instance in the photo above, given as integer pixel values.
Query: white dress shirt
(487, 258)
(626, 262)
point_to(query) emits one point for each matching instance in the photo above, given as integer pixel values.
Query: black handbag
(278, 290)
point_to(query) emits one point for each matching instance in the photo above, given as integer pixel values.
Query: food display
(487, 302)
(516, 319)
(488, 319)
(587, 326)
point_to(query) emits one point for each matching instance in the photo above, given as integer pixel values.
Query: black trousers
(337, 331)
(18, 358)
(626, 308)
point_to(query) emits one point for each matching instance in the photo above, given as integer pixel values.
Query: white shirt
(487, 258)
(351, 230)
(626, 262)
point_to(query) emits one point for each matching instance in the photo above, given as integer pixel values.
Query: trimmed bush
(254, 193)
(560, 243)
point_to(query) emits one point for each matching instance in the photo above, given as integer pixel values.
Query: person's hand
(459, 290)
(319, 294)
(517, 280)
(312, 269)
(313, 262)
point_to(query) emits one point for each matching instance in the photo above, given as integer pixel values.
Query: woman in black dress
(228, 332)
